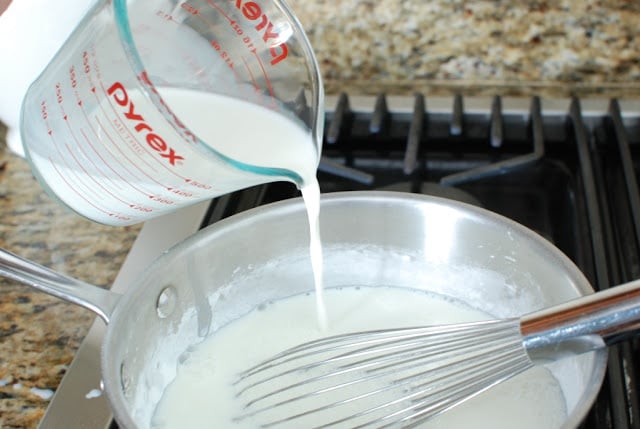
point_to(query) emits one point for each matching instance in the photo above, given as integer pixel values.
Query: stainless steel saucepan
(369, 238)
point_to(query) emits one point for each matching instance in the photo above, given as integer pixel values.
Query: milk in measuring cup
(118, 183)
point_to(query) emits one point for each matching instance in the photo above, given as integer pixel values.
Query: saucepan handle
(100, 301)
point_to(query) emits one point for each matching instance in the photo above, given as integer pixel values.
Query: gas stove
(568, 169)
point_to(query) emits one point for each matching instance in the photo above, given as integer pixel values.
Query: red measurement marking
(72, 134)
(72, 77)
(134, 118)
(196, 69)
(253, 78)
(266, 78)
(141, 208)
(96, 67)
(198, 184)
(60, 100)
(79, 194)
(86, 65)
(45, 116)
(91, 177)
(63, 177)
(71, 169)
(113, 170)
(99, 168)
(128, 159)
(261, 23)
(181, 192)
(190, 8)
(105, 134)
(224, 55)
(59, 97)
(120, 217)
(87, 69)
(149, 153)
(133, 145)
(238, 30)
(43, 110)
(220, 10)
(166, 16)
(161, 200)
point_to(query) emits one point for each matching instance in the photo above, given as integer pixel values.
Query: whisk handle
(593, 321)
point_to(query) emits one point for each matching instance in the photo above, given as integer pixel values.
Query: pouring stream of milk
(311, 195)
(270, 140)
(122, 179)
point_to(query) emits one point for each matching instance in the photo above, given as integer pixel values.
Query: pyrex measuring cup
(153, 105)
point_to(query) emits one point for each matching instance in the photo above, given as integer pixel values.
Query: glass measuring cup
(153, 105)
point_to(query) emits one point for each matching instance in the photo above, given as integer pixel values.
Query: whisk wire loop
(401, 378)
(407, 376)
(386, 346)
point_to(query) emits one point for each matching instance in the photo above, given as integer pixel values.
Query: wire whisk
(404, 377)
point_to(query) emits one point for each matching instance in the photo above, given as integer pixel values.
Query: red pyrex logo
(253, 12)
(118, 92)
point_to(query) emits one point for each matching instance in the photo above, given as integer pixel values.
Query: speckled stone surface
(39, 334)
(550, 48)
(553, 47)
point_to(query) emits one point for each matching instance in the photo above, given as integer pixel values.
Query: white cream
(202, 396)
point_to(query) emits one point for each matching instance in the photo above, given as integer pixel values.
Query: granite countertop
(557, 48)
(38, 333)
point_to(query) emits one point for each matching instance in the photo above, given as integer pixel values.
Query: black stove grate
(569, 173)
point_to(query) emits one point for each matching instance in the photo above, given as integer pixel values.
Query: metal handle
(586, 323)
(100, 301)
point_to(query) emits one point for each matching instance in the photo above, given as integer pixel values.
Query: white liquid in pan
(202, 396)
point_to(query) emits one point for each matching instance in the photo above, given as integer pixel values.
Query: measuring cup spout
(100, 301)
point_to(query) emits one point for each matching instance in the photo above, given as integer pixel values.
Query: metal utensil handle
(611, 315)
(100, 301)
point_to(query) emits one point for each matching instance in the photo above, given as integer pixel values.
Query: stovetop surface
(569, 175)
(566, 170)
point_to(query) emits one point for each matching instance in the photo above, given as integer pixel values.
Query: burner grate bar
(502, 167)
(628, 369)
(380, 115)
(457, 116)
(332, 167)
(590, 193)
(622, 399)
(612, 398)
(338, 122)
(415, 135)
(496, 126)
(627, 165)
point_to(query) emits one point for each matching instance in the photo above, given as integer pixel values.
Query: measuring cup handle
(100, 301)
